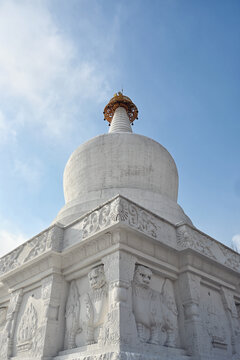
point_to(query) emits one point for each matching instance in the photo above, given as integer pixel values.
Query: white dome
(120, 160)
(121, 163)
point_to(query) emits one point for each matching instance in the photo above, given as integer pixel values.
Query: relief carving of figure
(94, 305)
(72, 316)
(155, 313)
(85, 314)
(146, 306)
(170, 313)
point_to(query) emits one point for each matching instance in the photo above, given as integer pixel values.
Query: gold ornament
(120, 100)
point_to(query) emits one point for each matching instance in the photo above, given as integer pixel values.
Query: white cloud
(6, 129)
(10, 240)
(41, 70)
(30, 172)
(236, 243)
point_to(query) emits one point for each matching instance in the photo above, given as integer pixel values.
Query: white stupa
(124, 163)
(121, 273)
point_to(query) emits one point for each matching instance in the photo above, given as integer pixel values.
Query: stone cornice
(45, 242)
(115, 211)
(189, 237)
(118, 210)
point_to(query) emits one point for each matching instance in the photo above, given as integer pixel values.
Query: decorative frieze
(189, 238)
(118, 210)
(50, 239)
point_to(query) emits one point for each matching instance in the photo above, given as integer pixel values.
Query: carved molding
(124, 355)
(92, 247)
(51, 239)
(231, 258)
(189, 238)
(118, 210)
(119, 265)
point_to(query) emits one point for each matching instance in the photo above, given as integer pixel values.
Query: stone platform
(120, 282)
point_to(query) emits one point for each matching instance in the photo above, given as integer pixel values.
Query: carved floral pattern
(50, 239)
(231, 258)
(10, 261)
(120, 210)
(193, 239)
(187, 238)
(96, 221)
(27, 328)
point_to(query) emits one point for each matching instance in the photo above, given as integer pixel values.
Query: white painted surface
(120, 122)
(121, 163)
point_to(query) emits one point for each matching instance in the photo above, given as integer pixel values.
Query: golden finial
(120, 100)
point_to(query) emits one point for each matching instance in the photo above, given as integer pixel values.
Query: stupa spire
(120, 112)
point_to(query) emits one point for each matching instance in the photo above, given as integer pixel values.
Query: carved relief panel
(216, 329)
(86, 309)
(3, 332)
(153, 307)
(27, 327)
(28, 334)
(155, 311)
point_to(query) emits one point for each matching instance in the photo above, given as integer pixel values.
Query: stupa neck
(120, 121)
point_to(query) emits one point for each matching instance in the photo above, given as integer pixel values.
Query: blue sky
(60, 63)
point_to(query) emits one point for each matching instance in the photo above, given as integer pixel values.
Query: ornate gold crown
(120, 100)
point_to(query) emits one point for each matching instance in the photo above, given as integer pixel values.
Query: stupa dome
(124, 163)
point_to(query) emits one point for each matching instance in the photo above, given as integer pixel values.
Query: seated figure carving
(85, 314)
(155, 313)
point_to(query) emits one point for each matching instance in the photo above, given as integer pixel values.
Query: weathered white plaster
(121, 163)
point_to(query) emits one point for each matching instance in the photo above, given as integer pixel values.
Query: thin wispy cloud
(6, 130)
(42, 70)
(30, 172)
(10, 240)
(48, 78)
